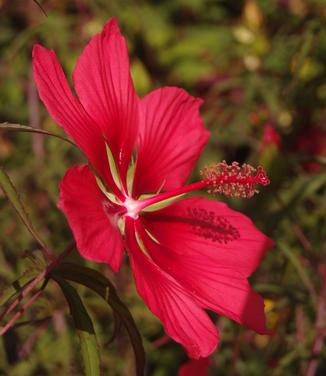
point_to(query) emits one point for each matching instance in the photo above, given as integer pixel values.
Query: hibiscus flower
(187, 254)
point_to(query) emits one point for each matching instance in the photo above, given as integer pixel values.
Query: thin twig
(302, 237)
(18, 314)
(27, 347)
(34, 118)
(319, 329)
(161, 341)
(26, 128)
(27, 289)
(40, 6)
(299, 321)
(24, 292)
(14, 199)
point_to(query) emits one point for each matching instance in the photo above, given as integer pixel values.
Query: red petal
(210, 250)
(171, 139)
(182, 318)
(92, 217)
(66, 110)
(104, 85)
(195, 367)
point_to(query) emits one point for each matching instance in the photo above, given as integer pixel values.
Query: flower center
(132, 207)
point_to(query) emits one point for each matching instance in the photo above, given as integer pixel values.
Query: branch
(28, 288)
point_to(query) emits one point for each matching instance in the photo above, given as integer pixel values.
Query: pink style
(187, 254)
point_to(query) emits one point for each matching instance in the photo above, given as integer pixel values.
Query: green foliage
(13, 196)
(103, 287)
(26, 128)
(84, 328)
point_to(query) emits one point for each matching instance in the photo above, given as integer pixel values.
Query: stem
(18, 314)
(28, 129)
(161, 341)
(27, 289)
(34, 115)
(317, 345)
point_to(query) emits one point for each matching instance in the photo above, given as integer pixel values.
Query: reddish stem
(27, 289)
(18, 314)
(317, 345)
(161, 341)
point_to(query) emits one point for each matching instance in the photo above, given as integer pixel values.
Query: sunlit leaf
(84, 328)
(26, 128)
(102, 286)
(13, 196)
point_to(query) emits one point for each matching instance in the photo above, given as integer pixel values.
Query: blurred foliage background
(260, 67)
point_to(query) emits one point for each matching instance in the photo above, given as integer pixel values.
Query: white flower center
(132, 207)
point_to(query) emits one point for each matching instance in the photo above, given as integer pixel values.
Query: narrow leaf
(13, 196)
(102, 286)
(303, 188)
(84, 327)
(302, 273)
(26, 128)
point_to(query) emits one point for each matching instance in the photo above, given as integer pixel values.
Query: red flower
(311, 142)
(270, 137)
(192, 254)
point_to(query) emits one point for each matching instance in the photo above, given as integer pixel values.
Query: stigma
(233, 180)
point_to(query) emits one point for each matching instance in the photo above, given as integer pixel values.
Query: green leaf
(102, 286)
(84, 327)
(303, 187)
(13, 196)
(26, 128)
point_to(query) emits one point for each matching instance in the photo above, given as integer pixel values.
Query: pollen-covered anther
(234, 180)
